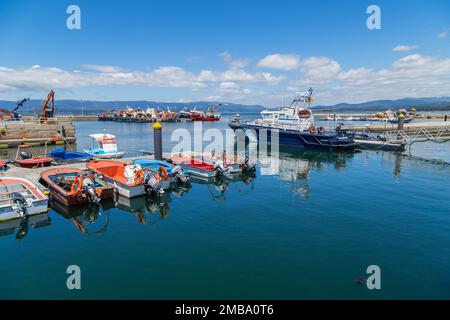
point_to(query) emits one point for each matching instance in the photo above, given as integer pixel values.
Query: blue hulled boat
(295, 126)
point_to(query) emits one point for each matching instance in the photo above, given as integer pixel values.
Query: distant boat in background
(106, 147)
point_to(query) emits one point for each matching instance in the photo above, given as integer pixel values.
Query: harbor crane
(12, 115)
(48, 107)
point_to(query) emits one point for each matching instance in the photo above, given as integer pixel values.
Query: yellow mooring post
(157, 140)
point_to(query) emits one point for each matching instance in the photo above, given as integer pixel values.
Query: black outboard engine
(151, 184)
(179, 175)
(19, 200)
(25, 155)
(247, 167)
(89, 188)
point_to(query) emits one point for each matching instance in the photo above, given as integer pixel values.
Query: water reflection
(220, 185)
(296, 165)
(90, 219)
(22, 226)
(146, 208)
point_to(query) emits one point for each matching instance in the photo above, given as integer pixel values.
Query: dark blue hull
(326, 140)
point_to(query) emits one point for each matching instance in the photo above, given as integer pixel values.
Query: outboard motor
(151, 184)
(89, 188)
(221, 170)
(25, 155)
(179, 174)
(247, 167)
(19, 200)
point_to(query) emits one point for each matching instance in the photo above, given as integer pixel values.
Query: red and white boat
(19, 198)
(199, 168)
(26, 160)
(211, 115)
(130, 180)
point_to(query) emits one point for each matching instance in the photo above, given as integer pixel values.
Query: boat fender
(76, 186)
(321, 130)
(139, 176)
(163, 174)
(312, 129)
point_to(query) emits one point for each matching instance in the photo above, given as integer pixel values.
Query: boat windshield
(108, 147)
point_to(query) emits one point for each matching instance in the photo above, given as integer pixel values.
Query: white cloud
(286, 62)
(403, 48)
(100, 68)
(212, 98)
(238, 75)
(442, 34)
(229, 85)
(413, 75)
(319, 70)
(232, 62)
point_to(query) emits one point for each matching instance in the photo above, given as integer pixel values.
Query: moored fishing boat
(106, 147)
(20, 198)
(294, 126)
(129, 180)
(62, 156)
(163, 168)
(25, 159)
(201, 168)
(72, 186)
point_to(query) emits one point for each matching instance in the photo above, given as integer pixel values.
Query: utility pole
(82, 108)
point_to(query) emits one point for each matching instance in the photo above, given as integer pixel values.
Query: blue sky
(238, 51)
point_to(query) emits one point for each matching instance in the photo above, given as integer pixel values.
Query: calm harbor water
(306, 231)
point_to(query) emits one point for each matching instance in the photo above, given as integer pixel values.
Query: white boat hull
(126, 191)
(117, 155)
(13, 212)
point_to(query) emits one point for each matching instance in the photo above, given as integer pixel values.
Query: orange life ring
(162, 172)
(321, 130)
(312, 129)
(139, 177)
(76, 186)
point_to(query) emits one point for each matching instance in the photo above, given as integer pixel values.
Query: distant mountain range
(421, 104)
(95, 107)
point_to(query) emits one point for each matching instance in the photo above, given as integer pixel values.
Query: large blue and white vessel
(295, 127)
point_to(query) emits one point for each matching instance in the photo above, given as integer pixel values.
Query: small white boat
(106, 147)
(20, 198)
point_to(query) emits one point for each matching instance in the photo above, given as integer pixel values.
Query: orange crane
(48, 108)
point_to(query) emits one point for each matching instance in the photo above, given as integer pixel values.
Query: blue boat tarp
(61, 154)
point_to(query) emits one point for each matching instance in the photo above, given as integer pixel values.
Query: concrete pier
(407, 127)
(13, 133)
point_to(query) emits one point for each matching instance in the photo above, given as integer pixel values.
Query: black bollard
(157, 140)
(445, 118)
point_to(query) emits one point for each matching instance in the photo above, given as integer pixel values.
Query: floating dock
(34, 174)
